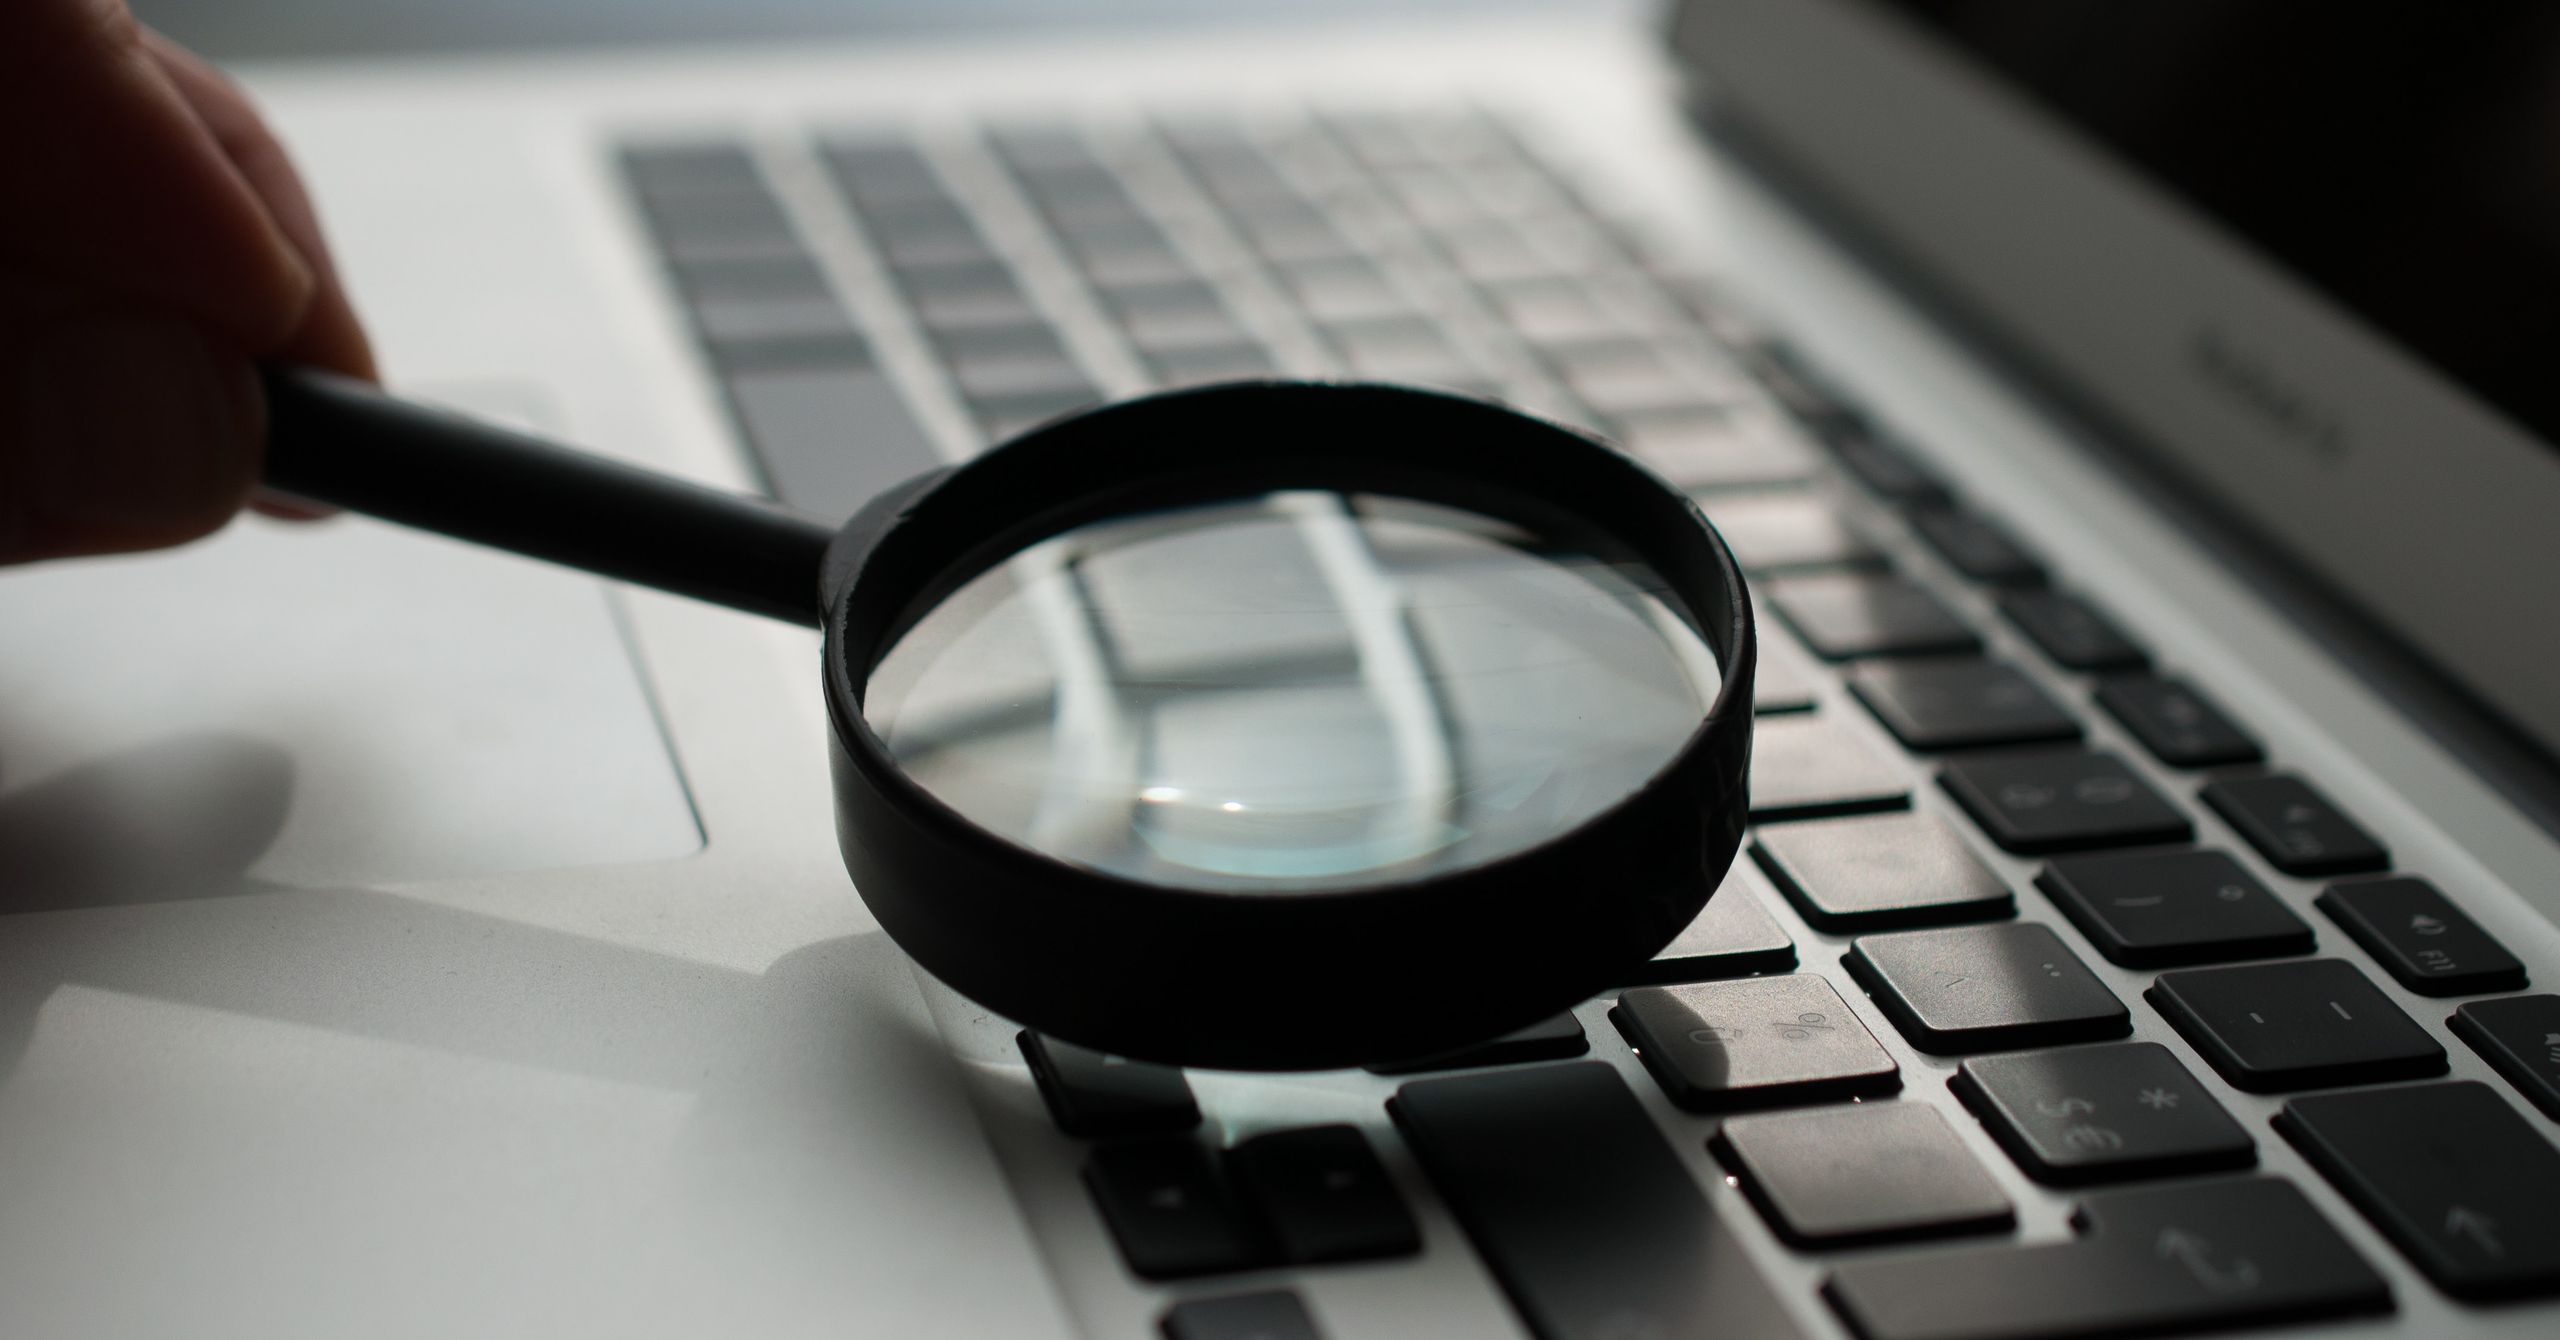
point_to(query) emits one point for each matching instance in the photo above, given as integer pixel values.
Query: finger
(329, 334)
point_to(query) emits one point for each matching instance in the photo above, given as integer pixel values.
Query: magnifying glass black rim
(1303, 980)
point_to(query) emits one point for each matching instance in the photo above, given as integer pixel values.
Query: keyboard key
(1778, 532)
(1887, 471)
(1877, 872)
(2158, 909)
(2309, 1024)
(1715, 446)
(2460, 1182)
(1554, 1039)
(2112, 1111)
(1168, 1206)
(1804, 767)
(1093, 1095)
(1199, 365)
(2180, 726)
(762, 277)
(2034, 803)
(1985, 988)
(2422, 939)
(1755, 1042)
(1733, 937)
(983, 379)
(1876, 1172)
(1844, 616)
(1323, 1196)
(1972, 545)
(2192, 1256)
(1807, 394)
(1785, 681)
(1590, 1223)
(1273, 1314)
(2521, 1039)
(2071, 631)
(1960, 704)
(2295, 827)
(828, 440)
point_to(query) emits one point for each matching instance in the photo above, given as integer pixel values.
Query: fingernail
(137, 430)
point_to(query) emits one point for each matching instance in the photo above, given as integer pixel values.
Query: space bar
(1586, 1218)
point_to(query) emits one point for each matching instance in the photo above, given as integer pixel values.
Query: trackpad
(341, 702)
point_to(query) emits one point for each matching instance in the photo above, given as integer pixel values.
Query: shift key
(1594, 1228)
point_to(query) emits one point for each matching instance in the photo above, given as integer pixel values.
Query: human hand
(156, 247)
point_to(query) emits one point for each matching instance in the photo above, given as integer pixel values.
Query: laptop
(2130, 417)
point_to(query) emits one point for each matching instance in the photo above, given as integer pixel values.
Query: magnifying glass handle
(336, 440)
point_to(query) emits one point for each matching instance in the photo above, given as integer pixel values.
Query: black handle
(336, 440)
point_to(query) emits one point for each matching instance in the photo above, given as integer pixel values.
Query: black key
(1842, 616)
(2071, 631)
(1985, 988)
(2033, 803)
(1323, 1195)
(2450, 1173)
(2422, 939)
(1554, 1039)
(2158, 909)
(2295, 827)
(2192, 1256)
(1880, 871)
(1590, 1223)
(2269, 1027)
(1734, 937)
(2089, 1114)
(1887, 471)
(1780, 532)
(2180, 726)
(1804, 767)
(802, 424)
(1093, 1095)
(1169, 1208)
(1875, 1172)
(1975, 547)
(2521, 1038)
(1960, 704)
(1273, 1314)
(1756, 1042)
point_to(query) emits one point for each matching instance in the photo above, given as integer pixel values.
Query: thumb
(124, 429)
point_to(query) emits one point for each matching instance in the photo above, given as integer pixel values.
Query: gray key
(1734, 937)
(1757, 1042)
(1273, 1314)
(1779, 532)
(1876, 1172)
(1804, 767)
(1960, 703)
(1985, 988)
(829, 440)
(1877, 872)
(2115, 1110)
(1844, 616)
(1713, 446)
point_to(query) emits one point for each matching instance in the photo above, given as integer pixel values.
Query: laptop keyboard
(870, 303)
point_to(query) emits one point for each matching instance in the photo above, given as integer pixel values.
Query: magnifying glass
(1263, 726)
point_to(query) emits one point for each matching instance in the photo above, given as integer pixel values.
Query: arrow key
(2451, 1173)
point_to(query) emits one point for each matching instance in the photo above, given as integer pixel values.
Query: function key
(1875, 1172)
(1878, 872)
(2422, 939)
(2186, 1257)
(1843, 616)
(2155, 909)
(1964, 703)
(1547, 1040)
(2033, 803)
(1323, 1195)
(1168, 1206)
(1273, 1314)
(2071, 631)
(2307, 1024)
(1977, 548)
(1804, 767)
(1985, 988)
(1756, 1042)
(2295, 827)
(1093, 1095)
(2180, 726)
(2112, 1111)
(1582, 1212)
(2450, 1173)
(2520, 1036)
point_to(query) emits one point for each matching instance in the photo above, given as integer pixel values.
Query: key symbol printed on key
(2027, 796)
(2231, 893)
(2068, 1107)
(2158, 1100)
(2097, 1139)
(2103, 790)
(1804, 1026)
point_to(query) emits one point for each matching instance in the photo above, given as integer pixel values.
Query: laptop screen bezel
(2419, 503)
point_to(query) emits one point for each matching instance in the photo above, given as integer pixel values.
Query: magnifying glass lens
(1294, 692)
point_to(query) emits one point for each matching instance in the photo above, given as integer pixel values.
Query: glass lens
(1293, 692)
